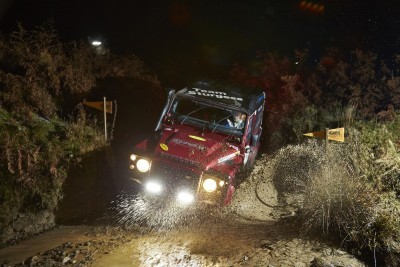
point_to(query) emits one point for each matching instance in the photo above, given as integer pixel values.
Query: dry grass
(350, 192)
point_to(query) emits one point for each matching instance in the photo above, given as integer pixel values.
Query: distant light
(310, 5)
(96, 43)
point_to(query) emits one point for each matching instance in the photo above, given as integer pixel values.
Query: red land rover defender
(207, 133)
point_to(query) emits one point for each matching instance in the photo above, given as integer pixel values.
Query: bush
(351, 193)
(40, 77)
(294, 165)
(376, 155)
(41, 74)
(35, 157)
(338, 202)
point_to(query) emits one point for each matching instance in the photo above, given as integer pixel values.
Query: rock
(65, 260)
(285, 263)
(266, 244)
(339, 252)
(328, 252)
(31, 261)
(320, 262)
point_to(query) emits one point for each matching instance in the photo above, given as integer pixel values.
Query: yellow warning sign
(100, 105)
(333, 134)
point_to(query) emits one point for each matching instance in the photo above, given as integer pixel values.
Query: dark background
(180, 39)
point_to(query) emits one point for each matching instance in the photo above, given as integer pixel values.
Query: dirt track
(253, 231)
(227, 241)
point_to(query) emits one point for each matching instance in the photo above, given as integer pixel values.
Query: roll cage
(204, 114)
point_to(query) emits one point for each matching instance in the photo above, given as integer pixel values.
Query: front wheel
(251, 159)
(229, 195)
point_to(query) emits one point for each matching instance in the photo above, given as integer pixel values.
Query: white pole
(105, 118)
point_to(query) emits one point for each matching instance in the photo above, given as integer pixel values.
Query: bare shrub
(343, 206)
(346, 196)
(294, 165)
(338, 202)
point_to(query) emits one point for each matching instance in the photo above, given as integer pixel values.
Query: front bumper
(185, 184)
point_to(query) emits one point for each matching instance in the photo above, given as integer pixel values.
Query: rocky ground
(256, 230)
(228, 241)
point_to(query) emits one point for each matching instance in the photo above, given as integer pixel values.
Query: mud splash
(159, 213)
(272, 190)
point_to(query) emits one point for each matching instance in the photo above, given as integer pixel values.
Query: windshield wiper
(220, 121)
(190, 113)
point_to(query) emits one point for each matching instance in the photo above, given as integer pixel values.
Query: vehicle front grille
(180, 160)
(174, 171)
(175, 176)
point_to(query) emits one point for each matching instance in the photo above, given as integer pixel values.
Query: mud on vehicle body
(206, 135)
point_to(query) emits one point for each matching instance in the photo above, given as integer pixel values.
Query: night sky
(179, 37)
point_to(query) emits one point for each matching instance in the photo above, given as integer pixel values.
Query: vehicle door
(252, 138)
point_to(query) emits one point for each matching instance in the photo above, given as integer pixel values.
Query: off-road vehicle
(207, 134)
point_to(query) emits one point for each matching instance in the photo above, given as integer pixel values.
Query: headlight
(210, 185)
(153, 187)
(143, 165)
(140, 163)
(185, 197)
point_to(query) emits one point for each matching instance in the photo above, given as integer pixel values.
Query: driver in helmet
(239, 119)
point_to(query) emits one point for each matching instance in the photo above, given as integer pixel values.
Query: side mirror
(171, 92)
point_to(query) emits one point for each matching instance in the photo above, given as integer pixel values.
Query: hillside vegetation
(44, 130)
(351, 191)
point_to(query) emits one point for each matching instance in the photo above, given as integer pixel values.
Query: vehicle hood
(205, 151)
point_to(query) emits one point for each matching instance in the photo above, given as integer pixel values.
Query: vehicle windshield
(203, 115)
